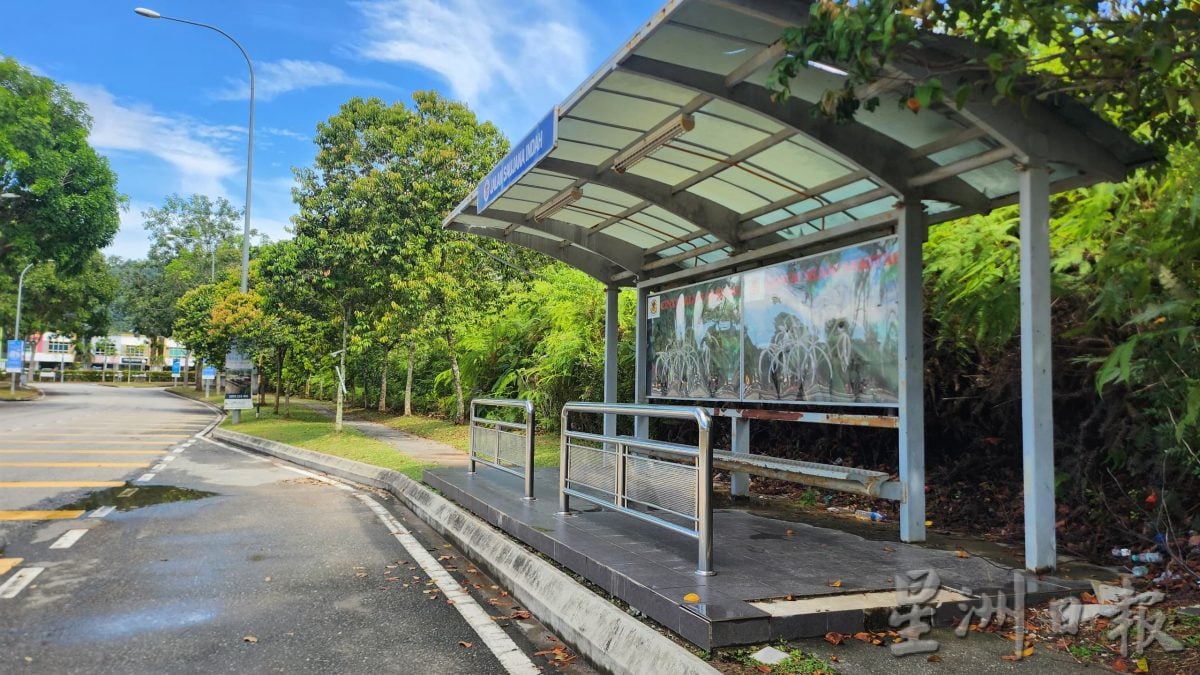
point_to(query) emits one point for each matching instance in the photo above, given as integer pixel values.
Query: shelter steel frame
(760, 181)
(496, 436)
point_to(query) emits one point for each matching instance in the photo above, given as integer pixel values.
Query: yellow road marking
(92, 442)
(7, 564)
(62, 484)
(39, 515)
(51, 451)
(74, 465)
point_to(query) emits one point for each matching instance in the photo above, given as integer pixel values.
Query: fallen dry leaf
(360, 575)
(962, 553)
(1088, 599)
(445, 557)
(1028, 652)
(834, 638)
(864, 636)
(465, 645)
(266, 578)
(889, 549)
(789, 533)
(934, 658)
(836, 584)
(504, 594)
(691, 597)
(1121, 666)
(833, 658)
(249, 638)
(1011, 657)
(763, 668)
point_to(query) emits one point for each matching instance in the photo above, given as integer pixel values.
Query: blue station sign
(532, 149)
(16, 356)
(209, 373)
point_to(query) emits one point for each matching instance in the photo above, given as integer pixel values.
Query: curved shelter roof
(749, 180)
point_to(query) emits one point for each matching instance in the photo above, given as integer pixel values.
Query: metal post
(564, 459)
(619, 484)
(641, 425)
(739, 481)
(704, 509)
(1037, 419)
(911, 227)
(17, 328)
(611, 337)
(471, 446)
(530, 430)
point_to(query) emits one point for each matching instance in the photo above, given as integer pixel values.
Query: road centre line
(62, 484)
(68, 539)
(102, 511)
(506, 651)
(17, 582)
(7, 564)
(40, 515)
(73, 465)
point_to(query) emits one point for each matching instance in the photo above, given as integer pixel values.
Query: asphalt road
(215, 560)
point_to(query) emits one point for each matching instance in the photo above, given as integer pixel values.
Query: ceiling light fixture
(834, 70)
(653, 141)
(561, 201)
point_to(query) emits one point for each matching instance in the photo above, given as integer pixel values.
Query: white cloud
(190, 147)
(286, 133)
(525, 54)
(132, 240)
(273, 78)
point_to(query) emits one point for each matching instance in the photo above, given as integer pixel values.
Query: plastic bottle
(873, 516)
(1139, 570)
(1121, 552)
(1151, 557)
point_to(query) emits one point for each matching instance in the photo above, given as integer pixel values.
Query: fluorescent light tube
(561, 201)
(653, 141)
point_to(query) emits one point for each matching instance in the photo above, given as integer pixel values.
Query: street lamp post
(245, 285)
(17, 328)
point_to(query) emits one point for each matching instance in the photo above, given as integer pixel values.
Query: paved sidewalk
(416, 447)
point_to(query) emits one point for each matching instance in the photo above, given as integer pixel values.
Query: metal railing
(667, 484)
(507, 446)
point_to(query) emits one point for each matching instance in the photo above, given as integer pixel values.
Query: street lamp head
(148, 13)
(9, 195)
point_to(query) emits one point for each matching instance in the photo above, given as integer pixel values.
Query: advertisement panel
(821, 329)
(15, 357)
(239, 376)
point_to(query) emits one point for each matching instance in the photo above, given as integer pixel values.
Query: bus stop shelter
(674, 164)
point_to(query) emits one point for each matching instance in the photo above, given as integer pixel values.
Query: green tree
(67, 201)
(197, 235)
(76, 303)
(1135, 61)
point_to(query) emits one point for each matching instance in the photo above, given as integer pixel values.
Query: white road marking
(102, 511)
(509, 655)
(335, 483)
(239, 451)
(158, 467)
(145, 477)
(68, 540)
(168, 458)
(18, 581)
(189, 442)
(178, 450)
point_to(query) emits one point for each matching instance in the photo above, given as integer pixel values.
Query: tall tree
(66, 196)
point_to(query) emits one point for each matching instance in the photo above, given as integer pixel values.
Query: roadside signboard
(209, 373)
(532, 149)
(175, 368)
(16, 356)
(239, 376)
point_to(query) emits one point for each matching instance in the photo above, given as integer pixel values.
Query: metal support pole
(530, 431)
(1037, 418)
(912, 229)
(611, 336)
(704, 509)
(564, 465)
(641, 425)
(471, 449)
(17, 328)
(739, 481)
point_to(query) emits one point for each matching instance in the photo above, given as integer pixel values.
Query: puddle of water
(128, 497)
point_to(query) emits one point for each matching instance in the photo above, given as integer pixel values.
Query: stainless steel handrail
(498, 426)
(702, 456)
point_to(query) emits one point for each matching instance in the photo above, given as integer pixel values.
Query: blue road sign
(175, 367)
(209, 373)
(524, 155)
(16, 356)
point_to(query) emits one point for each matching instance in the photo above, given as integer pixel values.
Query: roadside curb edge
(608, 637)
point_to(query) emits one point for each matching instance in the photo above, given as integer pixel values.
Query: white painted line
(158, 467)
(145, 477)
(168, 458)
(18, 581)
(178, 450)
(102, 511)
(189, 442)
(510, 656)
(68, 540)
(239, 451)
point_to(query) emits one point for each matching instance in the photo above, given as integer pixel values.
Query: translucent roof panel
(755, 171)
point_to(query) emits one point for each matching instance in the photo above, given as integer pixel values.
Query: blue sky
(169, 101)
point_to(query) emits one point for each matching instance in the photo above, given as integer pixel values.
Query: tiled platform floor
(755, 558)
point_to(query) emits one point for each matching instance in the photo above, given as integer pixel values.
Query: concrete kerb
(608, 637)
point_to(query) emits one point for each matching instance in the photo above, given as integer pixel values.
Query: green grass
(311, 431)
(18, 395)
(216, 397)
